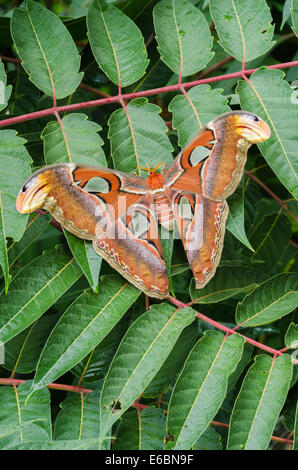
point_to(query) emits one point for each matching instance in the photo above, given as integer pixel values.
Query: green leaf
(209, 440)
(269, 239)
(259, 403)
(95, 365)
(83, 325)
(183, 36)
(193, 111)
(78, 417)
(294, 14)
(227, 282)
(141, 430)
(244, 28)
(72, 444)
(5, 91)
(23, 350)
(75, 140)
(179, 268)
(201, 387)
(14, 169)
(288, 414)
(275, 104)
(7, 430)
(157, 74)
(35, 227)
(3, 247)
(25, 95)
(295, 372)
(168, 372)
(237, 259)
(245, 359)
(270, 301)
(264, 207)
(137, 362)
(21, 424)
(88, 260)
(123, 61)
(138, 136)
(47, 50)
(286, 12)
(295, 446)
(167, 245)
(34, 289)
(235, 221)
(291, 338)
(78, 9)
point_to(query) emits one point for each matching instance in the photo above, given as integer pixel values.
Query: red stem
(129, 96)
(10, 59)
(177, 302)
(273, 438)
(150, 39)
(228, 330)
(139, 406)
(68, 388)
(275, 352)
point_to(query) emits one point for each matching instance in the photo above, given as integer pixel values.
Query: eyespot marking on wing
(185, 210)
(199, 154)
(139, 224)
(98, 185)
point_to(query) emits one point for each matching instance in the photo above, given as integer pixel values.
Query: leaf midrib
(43, 54)
(201, 389)
(265, 308)
(260, 402)
(241, 32)
(273, 127)
(142, 359)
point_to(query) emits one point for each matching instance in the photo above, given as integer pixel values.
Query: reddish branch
(273, 438)
(291, 242)
(66, 388)
(10, 59)
(139, 406)
(150, 39)
(129, 96)
(230, 331)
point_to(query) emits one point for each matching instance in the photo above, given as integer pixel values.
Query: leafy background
(88, 362)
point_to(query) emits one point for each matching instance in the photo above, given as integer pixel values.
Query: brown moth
(120, 212)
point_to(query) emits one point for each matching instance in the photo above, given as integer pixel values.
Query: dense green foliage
(65, 315)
